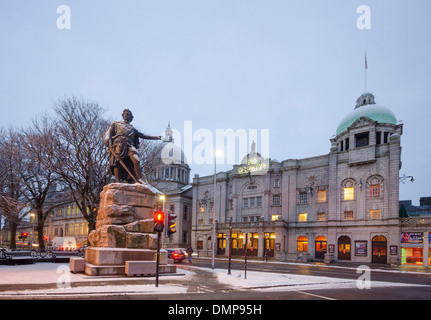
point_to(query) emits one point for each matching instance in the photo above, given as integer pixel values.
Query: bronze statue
(122, 139)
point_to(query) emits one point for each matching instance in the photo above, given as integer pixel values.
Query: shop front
(412, 248)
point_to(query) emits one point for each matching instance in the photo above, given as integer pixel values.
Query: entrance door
(344, 245)
(379, 250)
(252, 244)
(221, 243)
(269, 244)
(320, 247)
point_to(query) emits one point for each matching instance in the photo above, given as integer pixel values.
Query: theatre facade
(343, 205)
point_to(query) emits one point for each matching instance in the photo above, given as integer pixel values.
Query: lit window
(349, 193)
(321, 196)
(302, 244)
(375, 191)
(201, 209)
(302, 217)
(348, 215)
(321, 216)
(375, 214)
(275, 217)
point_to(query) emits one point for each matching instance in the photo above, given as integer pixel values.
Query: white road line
(315, 295)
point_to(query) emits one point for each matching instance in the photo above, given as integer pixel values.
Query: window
(245, 203)
(378, 137)
(201, 209)
(302, 217)
(258, 201)
(275, 217)
(321, 196)
(303, 197)
(375, 191)
(375, 214)
(349, 193)
(276, 183)
(252, 202)
(302, 244)
(276, 200)
(348, 215)
(321, 216)
(362, 139)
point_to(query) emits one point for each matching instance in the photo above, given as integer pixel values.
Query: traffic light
(159, 221)
(24, 235)
(171, 223)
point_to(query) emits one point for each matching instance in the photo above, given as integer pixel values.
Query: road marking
(315, 295)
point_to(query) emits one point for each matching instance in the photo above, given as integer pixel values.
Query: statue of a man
(122, 139)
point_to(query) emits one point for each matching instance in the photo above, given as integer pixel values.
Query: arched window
(348, 189)
(375, 187)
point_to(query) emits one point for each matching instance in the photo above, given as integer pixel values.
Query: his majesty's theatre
(343, 205)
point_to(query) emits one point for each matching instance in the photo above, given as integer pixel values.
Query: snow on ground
(265, 281)
(48, 273)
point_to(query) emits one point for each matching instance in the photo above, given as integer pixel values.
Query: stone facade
(343, 204)
(125, 218)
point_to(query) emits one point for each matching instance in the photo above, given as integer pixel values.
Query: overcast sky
(294, 68)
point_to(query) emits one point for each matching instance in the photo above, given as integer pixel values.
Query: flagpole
(365, 71)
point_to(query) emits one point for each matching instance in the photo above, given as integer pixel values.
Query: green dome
(375, 112)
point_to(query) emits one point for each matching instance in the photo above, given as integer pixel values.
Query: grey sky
(293, 67)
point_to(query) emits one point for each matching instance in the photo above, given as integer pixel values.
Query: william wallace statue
(122, 139)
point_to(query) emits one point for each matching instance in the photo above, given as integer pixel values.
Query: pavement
(55, 279)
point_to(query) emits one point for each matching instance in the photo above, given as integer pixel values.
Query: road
(321, 270)
(203, 285)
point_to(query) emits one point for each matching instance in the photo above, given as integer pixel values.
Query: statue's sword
(119, 160)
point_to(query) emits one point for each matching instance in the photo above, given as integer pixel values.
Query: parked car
(64, 243)
(176, 254)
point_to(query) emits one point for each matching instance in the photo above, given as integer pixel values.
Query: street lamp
(404, 178)
(216, 153)
(33, 216)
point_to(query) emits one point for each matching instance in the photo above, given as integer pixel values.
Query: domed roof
(366, 107)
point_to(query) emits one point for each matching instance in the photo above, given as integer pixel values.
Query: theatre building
(344, 204)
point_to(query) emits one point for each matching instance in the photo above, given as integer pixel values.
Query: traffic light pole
(158, 258)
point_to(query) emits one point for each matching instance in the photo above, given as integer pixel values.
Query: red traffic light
(159, 221)
(159, 216)
(24, 234)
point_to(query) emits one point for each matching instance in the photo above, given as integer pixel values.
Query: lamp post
(33, 216)
(214, 204)
(230, 245)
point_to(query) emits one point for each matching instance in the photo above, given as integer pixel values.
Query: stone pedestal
(124, 231)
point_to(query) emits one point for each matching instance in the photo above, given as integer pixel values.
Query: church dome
(366, 107)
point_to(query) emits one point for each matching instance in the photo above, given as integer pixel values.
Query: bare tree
(40, 183)
(79, 156)
(12, 203)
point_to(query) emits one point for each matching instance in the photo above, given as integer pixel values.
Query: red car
(176, 254)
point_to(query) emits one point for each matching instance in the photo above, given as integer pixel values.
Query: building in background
(344, 204)
(171, 175)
